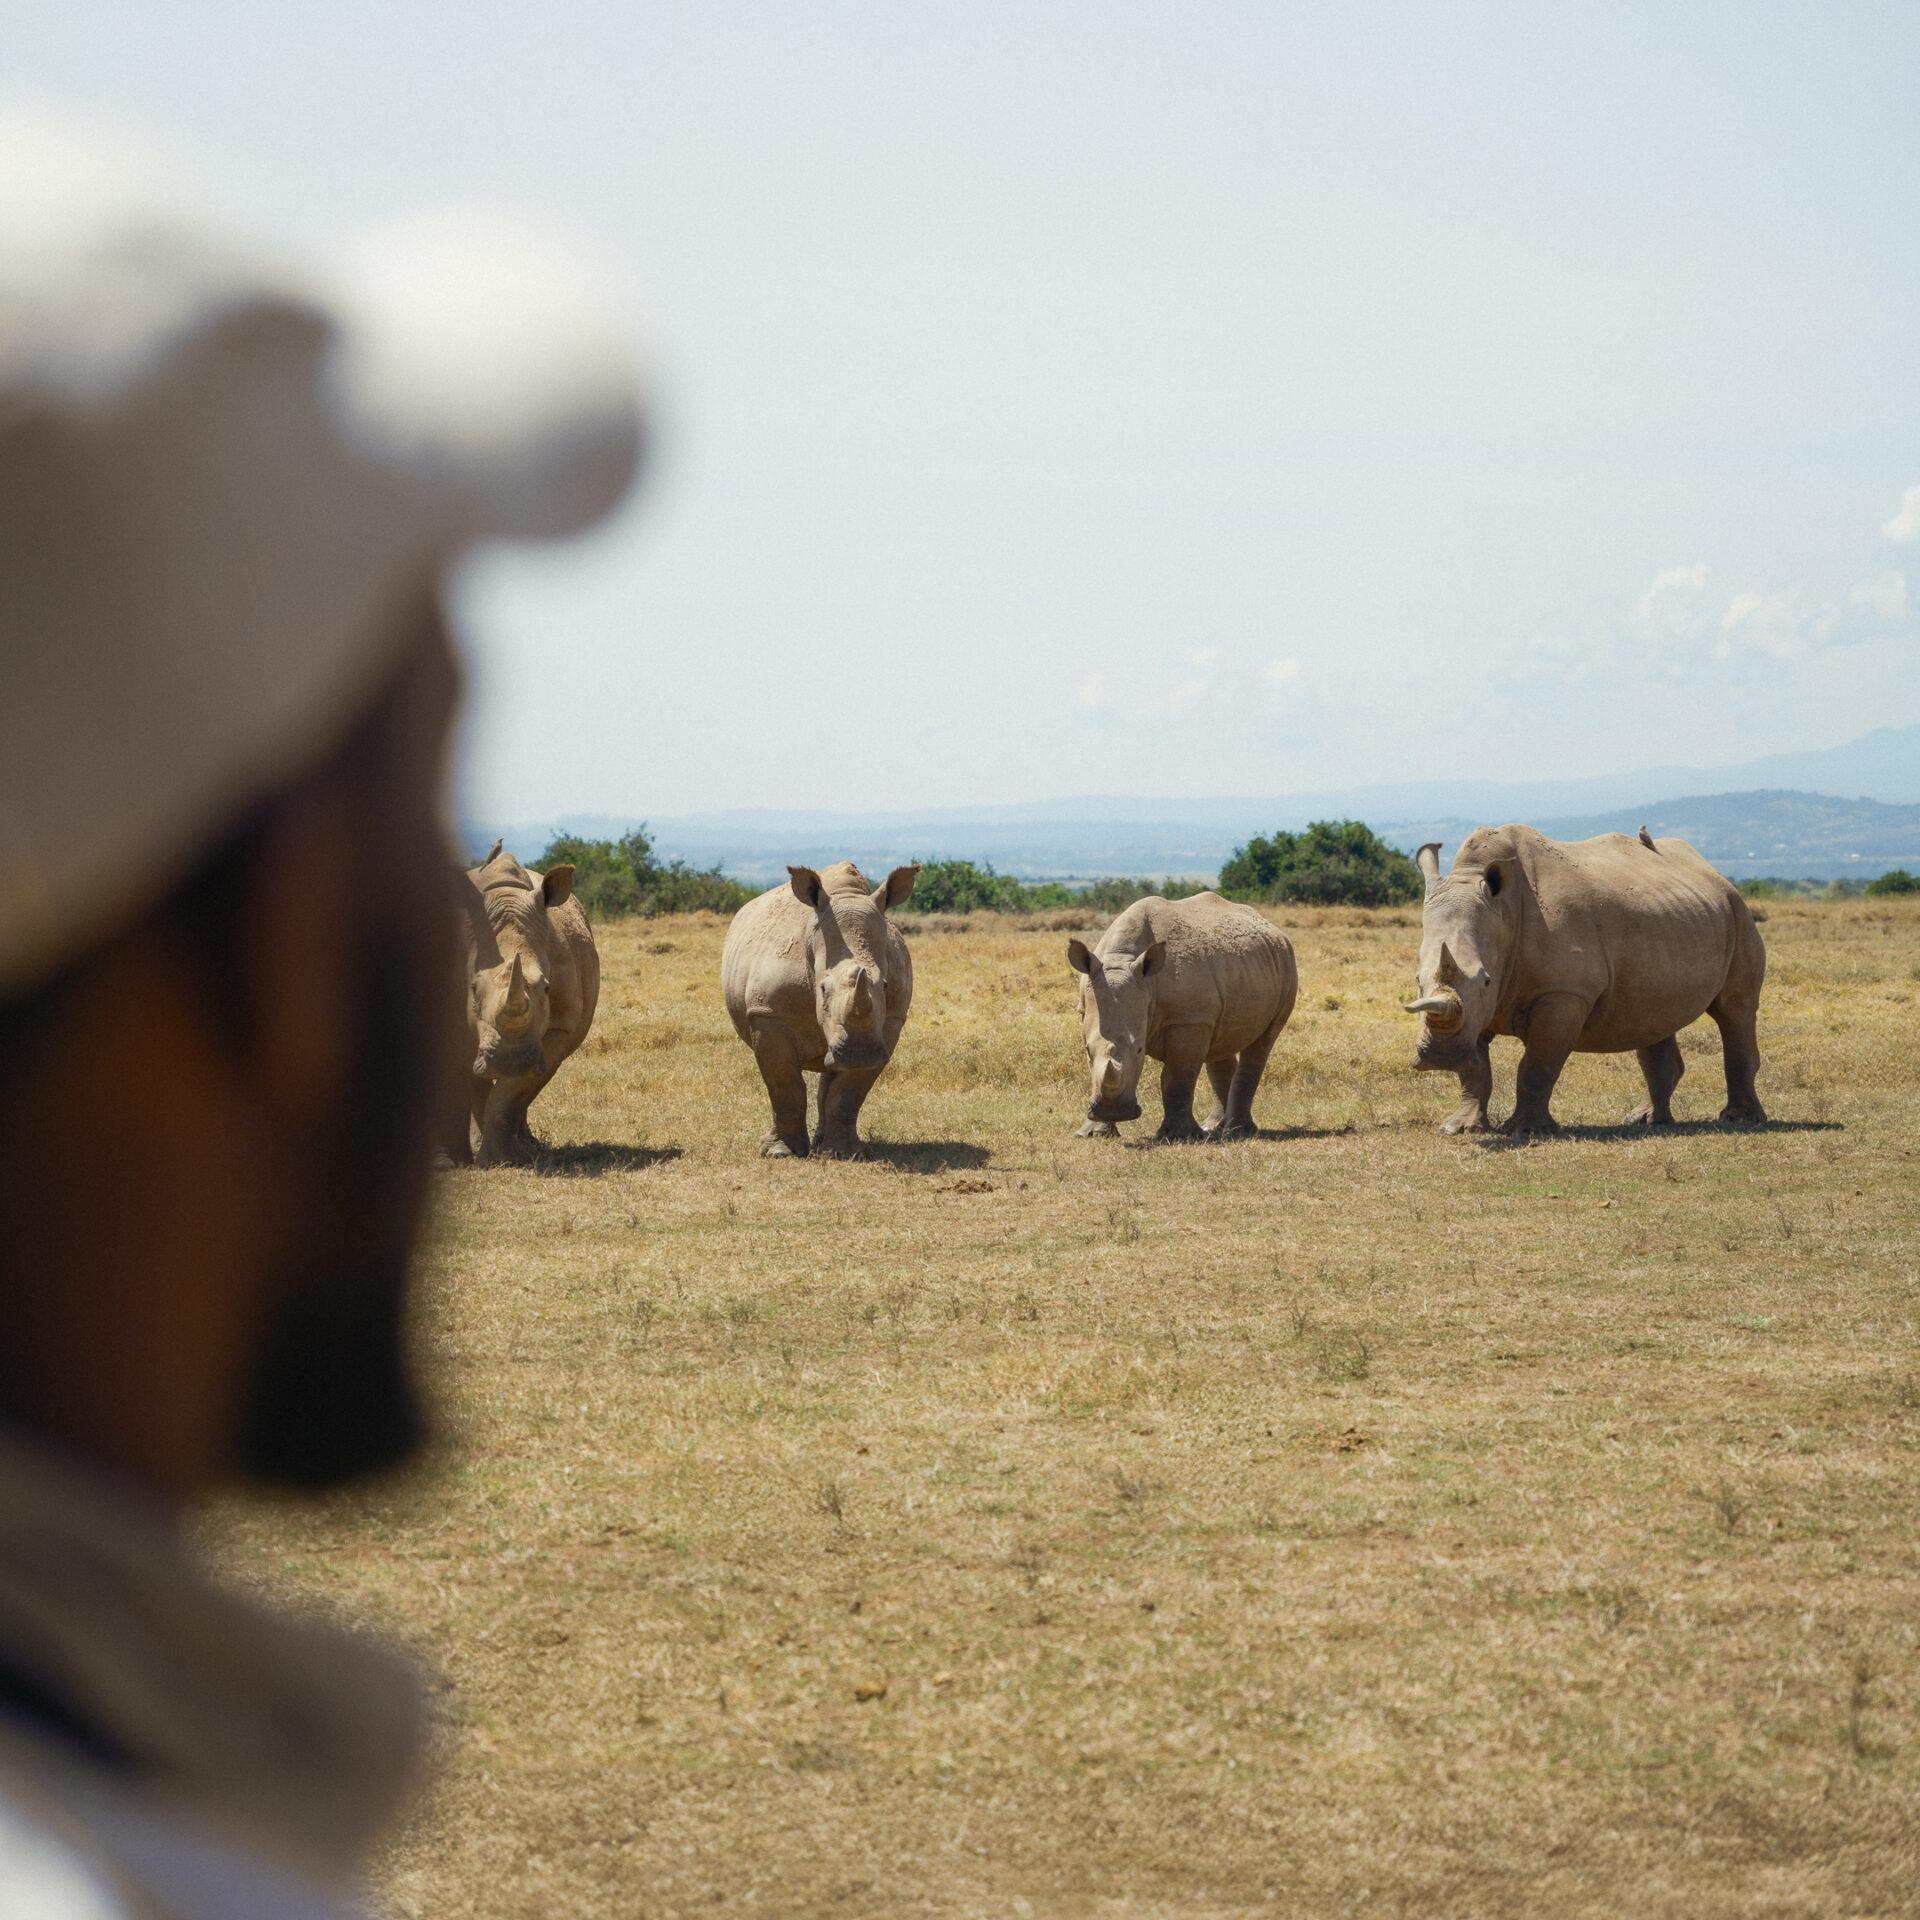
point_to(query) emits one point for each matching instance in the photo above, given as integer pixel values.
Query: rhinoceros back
(1228, 966)
(1650, 936)
(765, 967)
(573, 935)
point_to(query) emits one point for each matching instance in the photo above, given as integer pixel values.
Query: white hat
(221, 483)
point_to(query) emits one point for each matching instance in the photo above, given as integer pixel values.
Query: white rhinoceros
(1609, 945)
(818, 980)
(532, 984)
(1190, 983)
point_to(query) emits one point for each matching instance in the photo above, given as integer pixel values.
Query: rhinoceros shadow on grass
(1629, 1134)
(924, 1156)
(1210, 1136)
(591, 1158)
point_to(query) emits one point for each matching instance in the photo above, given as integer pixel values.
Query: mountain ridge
(1805, 831)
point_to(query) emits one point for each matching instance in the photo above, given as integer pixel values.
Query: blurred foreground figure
(229, 497)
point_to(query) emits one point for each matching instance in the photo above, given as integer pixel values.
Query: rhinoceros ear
(806, 886)
(556, 885)
(1079, 956)
(1428, 861)
(896, 889)
(1153, 959)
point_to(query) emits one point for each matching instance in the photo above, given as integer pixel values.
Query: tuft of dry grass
(1348, 1520)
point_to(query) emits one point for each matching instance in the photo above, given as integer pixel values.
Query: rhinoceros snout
(508, 1062)
(1113, 1110)
(857, 1053)
(1442, 1052)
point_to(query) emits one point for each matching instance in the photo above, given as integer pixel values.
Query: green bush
(618, 878)
(1894, 880)
(1113, 895)
(1334, 863)
(967, 886)
(961, 886)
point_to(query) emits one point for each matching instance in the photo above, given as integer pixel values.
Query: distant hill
(1786, 818)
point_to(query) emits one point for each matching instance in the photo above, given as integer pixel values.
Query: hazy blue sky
(1185, 399)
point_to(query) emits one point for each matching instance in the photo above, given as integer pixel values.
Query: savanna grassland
(1352, 1520)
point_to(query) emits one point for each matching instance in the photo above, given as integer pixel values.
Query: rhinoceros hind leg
(1553, 1025)
(1476, 1089)
(779, 1062)
(1179, 1075)
(1236, 1122)
(1740, 1045)
(1220, 1078)
(842, 1094)
(1662, 1067)
(1097, 1130)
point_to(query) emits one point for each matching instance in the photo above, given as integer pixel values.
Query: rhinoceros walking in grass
(818, 980)
(532, 983)
(1191, 983)
(1609, 945)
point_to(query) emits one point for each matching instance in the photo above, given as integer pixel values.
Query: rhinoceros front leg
(842, 1095)
(1553, 1025)
(778, 1059)
(1179, 1075)
(501, 1136)
(1476, 1089)
(1662, 1067)
(523, 1121)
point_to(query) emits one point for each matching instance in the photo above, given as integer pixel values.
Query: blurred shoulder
(47, 1874)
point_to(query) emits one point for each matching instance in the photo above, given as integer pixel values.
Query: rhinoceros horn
(1443, 1010)
(514, 1008)
(1442, 1007)
(862, 997)
(1428, 861)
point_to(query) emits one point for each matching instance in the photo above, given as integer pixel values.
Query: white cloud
(1092, 691)
(1789, 626)
(1671, 620)
(1198, 684)
(1905, 525)
(1770, 624)
(1884, 597)
(1670, 587)
(1281, 673)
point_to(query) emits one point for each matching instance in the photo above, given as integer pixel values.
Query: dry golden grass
(1348, 1521)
